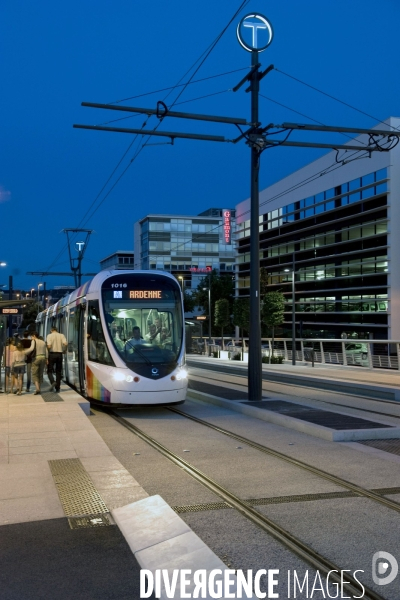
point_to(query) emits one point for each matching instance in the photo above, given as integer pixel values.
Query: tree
(222, 286)
(263, 282)
(30, 313)
(241, 314)
(222, 316)
(272, 312)
(189, 302)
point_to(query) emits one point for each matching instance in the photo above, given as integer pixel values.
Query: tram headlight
(129, 378)
(118, 376)
(181, 374)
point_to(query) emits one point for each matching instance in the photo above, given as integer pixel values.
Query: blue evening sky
(56, 55)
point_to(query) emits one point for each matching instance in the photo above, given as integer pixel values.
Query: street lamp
(181, 278)
(3, 264)
(293, 313)
(38, 299)
(209, 315)
(32, 290)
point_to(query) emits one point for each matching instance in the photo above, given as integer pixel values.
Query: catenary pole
(254, 364)
(293, 311)
(10, 297)
(209, 314)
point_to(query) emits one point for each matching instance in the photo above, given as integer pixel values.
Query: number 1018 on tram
(126, 338)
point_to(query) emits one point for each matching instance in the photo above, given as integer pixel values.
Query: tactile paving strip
(51, 397)
(79, 497)
(89, 521)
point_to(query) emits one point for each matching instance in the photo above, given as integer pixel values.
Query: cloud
(4, 194)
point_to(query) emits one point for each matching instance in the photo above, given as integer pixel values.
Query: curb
(319, 431)
(160, 539)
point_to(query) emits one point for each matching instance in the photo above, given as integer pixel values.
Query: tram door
(75, 352)
(81, 342)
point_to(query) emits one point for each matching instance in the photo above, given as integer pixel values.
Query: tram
(126, 338)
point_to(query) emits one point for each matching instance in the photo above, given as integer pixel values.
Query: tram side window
(73, 337)
(97, 347)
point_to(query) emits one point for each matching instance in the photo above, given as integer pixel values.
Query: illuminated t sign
(260, 30)
(227, 226)
(254, 27)
(79, 246)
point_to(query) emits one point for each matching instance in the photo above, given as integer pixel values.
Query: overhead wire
(189, 82)
(207, 52)
(333, 97)
(203, 57)
(179, 85)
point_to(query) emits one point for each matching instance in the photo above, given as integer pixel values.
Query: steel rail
(314, 559)
(356, 489)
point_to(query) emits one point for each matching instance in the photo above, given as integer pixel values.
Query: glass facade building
(122, 259)
(335, 226)
(187, 246)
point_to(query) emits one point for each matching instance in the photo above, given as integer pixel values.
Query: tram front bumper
(151, 397)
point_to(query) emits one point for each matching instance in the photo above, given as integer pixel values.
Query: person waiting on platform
(56, 344)
(39, 358)
(8, 360)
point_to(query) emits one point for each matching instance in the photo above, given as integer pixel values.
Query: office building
(185, 245)
(122, 259)
(337, 226)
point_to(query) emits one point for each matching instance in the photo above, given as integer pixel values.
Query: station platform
(50, 545)
(74, 522)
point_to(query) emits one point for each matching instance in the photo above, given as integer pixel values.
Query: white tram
(108, 360)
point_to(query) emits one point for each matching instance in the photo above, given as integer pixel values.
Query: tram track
(295, 545)
(357, 490)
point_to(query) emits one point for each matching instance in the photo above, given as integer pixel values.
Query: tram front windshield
(143, 314)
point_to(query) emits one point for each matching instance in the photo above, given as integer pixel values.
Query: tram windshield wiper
(140, 353)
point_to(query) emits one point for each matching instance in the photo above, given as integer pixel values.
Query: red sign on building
(200, 269)
(227, 226)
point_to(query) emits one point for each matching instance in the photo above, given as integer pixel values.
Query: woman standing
(9, 357)
(19, 366)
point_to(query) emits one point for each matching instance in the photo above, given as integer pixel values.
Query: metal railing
(369, 354)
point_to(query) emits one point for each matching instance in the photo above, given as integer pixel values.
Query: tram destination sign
(146, 294)
(140, 294)
(10, 311)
